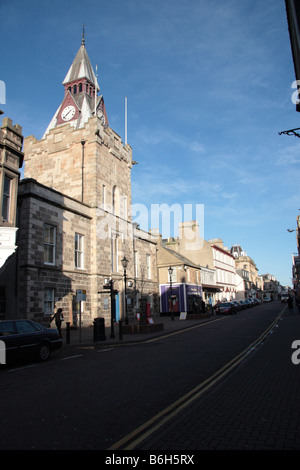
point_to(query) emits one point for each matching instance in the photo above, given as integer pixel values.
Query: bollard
(99, 329)
(68, 332)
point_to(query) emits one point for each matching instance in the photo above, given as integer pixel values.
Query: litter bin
(99, 329)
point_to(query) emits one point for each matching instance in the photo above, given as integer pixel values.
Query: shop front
(180, 298)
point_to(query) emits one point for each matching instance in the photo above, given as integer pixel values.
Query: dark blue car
(24, 338)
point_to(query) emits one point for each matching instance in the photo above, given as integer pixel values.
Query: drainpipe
(82, 167)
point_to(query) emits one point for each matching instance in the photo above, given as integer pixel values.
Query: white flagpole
(125, 120)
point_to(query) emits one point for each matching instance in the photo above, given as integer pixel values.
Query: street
(94, 398)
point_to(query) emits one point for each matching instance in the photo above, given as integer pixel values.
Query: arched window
(74, 89)
(80, 87)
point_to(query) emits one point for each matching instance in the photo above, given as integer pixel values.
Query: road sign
(81, 295)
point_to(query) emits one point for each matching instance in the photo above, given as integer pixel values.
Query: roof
(81, 68)
(167, 256)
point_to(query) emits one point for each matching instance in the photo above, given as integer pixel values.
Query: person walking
(58, 316)
(290, 303)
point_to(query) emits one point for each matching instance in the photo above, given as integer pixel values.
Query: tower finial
(83, 38)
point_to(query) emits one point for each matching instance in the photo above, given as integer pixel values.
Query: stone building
(199, 261)
(248, 271)
(74, 214)
(11, 160)
(179, 281)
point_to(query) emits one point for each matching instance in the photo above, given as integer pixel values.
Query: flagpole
(125, 120)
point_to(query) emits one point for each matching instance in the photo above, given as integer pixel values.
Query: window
(114, 254)
(23, 326)
(115, 201)
(48, 301)
(103, 196)
(124, 207)
(6, 198)
(49, 243)
(136, 263)
(148, 267)
(79, 241)
(7, 328)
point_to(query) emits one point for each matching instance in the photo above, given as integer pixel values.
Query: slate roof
(81, 68)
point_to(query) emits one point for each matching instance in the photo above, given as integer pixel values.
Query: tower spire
(83, 38)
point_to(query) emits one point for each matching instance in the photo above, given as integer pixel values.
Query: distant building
(247, 282)
(225, 270)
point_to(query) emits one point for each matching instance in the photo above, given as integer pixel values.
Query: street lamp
(292, 230)
(170, 275)
(125, 264)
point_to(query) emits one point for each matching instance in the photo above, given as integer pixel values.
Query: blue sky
(209, 86)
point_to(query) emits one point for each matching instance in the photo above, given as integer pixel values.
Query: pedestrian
(290, 303)
(58, 316)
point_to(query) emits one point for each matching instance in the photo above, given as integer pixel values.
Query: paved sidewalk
(85, 335)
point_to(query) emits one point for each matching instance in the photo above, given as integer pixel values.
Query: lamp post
(170, 275)
(125, 264)
(109, 284)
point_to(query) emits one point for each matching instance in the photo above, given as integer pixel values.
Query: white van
(284, 297)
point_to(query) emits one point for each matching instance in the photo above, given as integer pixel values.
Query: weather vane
(83, 39)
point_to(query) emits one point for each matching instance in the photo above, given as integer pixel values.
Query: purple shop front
(180, 298)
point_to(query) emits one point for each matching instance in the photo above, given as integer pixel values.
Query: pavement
(162, 325)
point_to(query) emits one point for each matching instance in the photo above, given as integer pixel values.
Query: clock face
(101, 117)
(68, 113)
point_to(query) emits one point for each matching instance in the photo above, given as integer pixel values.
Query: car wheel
(44, 352)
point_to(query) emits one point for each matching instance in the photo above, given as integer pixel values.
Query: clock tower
(75, 212)
(81, 100)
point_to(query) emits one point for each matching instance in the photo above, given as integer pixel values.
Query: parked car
(25, 338)
(237, 304)
(267, 298)
(243, 304)
(226, 308)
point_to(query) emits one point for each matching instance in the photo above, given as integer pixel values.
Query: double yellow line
(133, 439)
